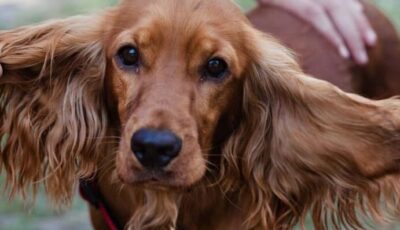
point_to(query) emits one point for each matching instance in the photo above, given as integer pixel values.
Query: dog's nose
(155, 148)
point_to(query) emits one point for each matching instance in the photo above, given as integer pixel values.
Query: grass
(16, 215)
(392, 8)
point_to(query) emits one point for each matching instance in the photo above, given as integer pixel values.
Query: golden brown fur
(261, 148)
(52, 108)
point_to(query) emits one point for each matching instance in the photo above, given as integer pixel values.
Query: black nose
(155, 148)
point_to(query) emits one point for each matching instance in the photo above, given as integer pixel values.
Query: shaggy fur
(53, 116)
(261, 149)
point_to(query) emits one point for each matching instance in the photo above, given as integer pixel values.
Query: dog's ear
(52, 114)
(304, 145)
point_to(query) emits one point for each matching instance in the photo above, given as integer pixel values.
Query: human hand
(1, 71)
(342, 22)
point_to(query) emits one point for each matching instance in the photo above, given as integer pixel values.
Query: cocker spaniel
(190, 118)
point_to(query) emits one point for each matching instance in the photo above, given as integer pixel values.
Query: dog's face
(175, 76)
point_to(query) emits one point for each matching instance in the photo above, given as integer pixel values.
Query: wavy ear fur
(52, 113)
(304, 145)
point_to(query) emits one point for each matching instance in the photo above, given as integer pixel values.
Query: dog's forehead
(183, 28)
(178, 6)
(180, 15)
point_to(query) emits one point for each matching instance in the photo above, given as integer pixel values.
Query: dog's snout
(155, 148)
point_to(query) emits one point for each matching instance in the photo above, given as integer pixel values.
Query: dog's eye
(216, 68)
(129, 56)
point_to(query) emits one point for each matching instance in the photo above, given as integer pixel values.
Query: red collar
(91, 193)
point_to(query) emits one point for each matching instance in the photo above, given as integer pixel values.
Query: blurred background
(21, 12)
(16, 215)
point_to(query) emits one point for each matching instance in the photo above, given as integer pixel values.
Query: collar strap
(91, 193)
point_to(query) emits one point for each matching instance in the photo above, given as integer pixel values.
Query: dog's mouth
(153, 177)
(156, 178)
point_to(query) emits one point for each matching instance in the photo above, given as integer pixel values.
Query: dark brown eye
(128, 56)
(216, 68)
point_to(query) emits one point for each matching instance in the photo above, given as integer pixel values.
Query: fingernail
(344, 52)
(371, 37)
(362, 58)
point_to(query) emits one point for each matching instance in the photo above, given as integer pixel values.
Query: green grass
(18, 214)
(392, 8)
(246, 4)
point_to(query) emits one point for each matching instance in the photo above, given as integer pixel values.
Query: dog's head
(176, 75)
(189, 86)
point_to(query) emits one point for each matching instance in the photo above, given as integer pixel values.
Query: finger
(346, 25)
(365, 28)
(316, 16)
(321, 21)
(1, 71)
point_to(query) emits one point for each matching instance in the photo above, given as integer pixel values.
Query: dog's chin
(157, 179)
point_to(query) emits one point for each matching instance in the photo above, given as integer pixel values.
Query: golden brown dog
(191, 119)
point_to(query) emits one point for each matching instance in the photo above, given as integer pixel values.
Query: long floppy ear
(52, 114)
(304, 145)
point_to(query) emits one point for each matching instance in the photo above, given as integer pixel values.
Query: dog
(187, 117)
